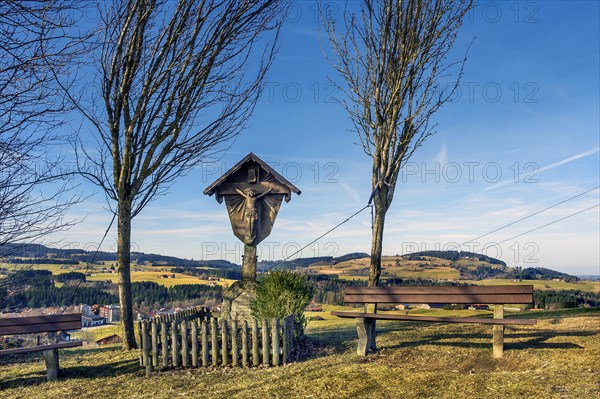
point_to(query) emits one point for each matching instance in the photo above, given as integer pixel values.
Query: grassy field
(157, 278)
(543, 284)
(150, 273)
(93, 334)
(557, 358)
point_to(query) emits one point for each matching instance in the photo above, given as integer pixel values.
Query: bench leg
(366, 336)
(371, 345)
(51, 358)
(498, 332)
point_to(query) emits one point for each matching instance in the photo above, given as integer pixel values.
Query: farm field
(151, 273)
(92, 334)
(157, 278)
(415, 360)
(590, 286)
(54, 268)
(438, 269)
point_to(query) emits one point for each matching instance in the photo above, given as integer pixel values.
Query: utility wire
(544, 225)
(527, 217)
(318, 238)
(458, 246)
(94, 255)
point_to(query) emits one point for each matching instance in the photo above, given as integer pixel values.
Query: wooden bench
(42, 324)
(496, 295)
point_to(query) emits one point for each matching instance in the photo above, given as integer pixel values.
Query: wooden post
(184, 343)
(214, 341)
(371, 324)
(52, 366)
(265, 342)
(174, 343)
(291, 331)
(285, 338)
(361, 329)
(245, 343)
(145, 345)
(155, 343)
(204, 343)
(164, 341)
(498, 332)
(224, 346)
(140, 343)
(255, 358)
(194, 338)
(275, 333)
(234, 344)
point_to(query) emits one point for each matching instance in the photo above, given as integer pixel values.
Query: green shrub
(282, 293)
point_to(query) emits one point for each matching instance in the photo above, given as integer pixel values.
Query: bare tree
(34, 195)
(392, 57)
(177, 79)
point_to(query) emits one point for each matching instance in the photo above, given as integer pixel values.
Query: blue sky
(522, 134)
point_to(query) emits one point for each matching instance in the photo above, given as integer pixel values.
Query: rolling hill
(436, 265)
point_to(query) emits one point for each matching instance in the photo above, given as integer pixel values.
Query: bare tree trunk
(381, 207)
(124, 267)
(392, 57)
(377, 245)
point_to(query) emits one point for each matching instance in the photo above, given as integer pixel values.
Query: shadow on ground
(527, 340)
(109, 368)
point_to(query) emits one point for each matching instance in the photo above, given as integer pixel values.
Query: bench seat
(42, 324)
(473, 320)
(40, 348)
(494, 295)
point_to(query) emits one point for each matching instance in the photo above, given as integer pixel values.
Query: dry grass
(557, 358)
(591, 286)
(150, 273)
(157, 278)
(436, 269)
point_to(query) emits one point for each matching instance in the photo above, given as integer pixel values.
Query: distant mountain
(495, 268)
(539, 273)
(454, 256)
(352, 256)
(589, 276)
(41, 254)
(306, 262)
(36, 253)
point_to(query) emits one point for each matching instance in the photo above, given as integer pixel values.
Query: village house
(429, 306)
(85, 309)
(313, 307)
(479, 307)
(111, 339)
(112, 313)
(92, 320)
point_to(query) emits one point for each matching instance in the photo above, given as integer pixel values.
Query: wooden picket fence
(201, 340)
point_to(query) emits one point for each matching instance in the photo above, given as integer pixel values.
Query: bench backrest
(39, 324)
(500, 294)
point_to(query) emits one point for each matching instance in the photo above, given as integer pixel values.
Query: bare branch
(392, 59)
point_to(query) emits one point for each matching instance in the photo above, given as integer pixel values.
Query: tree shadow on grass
(35, 357)
(329, 341)
(527, 340)
(108, 368)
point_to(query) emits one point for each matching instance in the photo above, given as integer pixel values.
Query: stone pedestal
(237, 299)
(249, 263)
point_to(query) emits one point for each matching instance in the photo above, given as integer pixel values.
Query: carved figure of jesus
(251, 211)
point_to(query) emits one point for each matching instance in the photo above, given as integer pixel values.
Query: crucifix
(253, 193)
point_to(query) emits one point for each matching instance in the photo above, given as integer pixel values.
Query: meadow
(138, 274)
(557, 358)
(589, 286)
(157, 277)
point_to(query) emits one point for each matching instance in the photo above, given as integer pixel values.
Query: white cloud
(548, 167)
